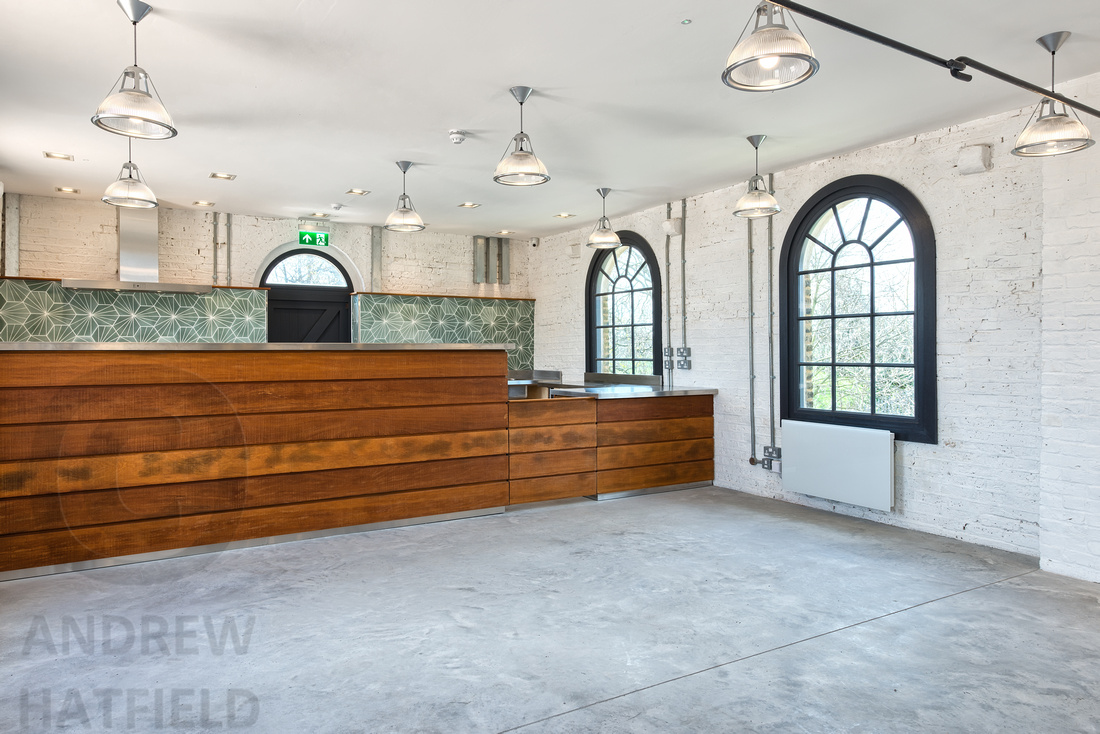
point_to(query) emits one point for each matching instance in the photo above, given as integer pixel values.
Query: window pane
(622, 258)
(603, 310)
(879, 219)
(643, 307)
(622, 285)
(853, 291)
(817, 341)
(624, 368)
(853, 389)
(604, 344)
(851, 217)
(894, 339)
(826, 232)
(814, 257)
(853, 254)
(898, 245)
(853, 340)
(622, 308)
(894, 391)
(816, 294)
(644, 279)
(306, 269)
(624, 344)
(894, 288)
(603, 283)
(817, 388)
(643, 342)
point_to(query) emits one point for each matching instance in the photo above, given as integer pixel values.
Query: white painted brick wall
(1070, 454)
(980, 483)
(67, 238)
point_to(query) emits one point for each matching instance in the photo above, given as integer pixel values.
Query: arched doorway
(309, 298)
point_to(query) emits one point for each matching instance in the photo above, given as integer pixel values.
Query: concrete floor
(696, 611)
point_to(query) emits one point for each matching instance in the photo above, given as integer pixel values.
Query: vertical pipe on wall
(752, 357)
(217, 216)
(771, 316)
(505, 262)
(229, 249)
(668, 297)
(376, 259)
(683, 273)
(11, 235)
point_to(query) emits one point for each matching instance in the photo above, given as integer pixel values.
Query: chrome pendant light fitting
(521, 167)
(603, 237)
(404, 218)
(757, 201)
(135, 109)
(129, 189)
(1051, 130)
(772, 56)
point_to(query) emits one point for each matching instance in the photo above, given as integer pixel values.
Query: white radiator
(852, 465)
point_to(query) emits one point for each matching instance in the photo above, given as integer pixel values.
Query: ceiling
(304, 99)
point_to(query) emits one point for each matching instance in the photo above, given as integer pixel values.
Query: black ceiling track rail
(957, 66)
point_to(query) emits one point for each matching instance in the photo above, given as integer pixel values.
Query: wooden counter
(116, 452)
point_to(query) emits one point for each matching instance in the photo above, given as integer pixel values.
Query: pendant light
(1051, 130)
(135, 110)
(404, 218)
(520, 167)
(772, 57)
(603, 237)
(130, 189)
(757, 201)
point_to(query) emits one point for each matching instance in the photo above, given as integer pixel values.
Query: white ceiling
(304, 99)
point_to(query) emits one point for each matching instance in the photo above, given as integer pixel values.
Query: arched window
(308, 298)
(623, 309)
(858, 310)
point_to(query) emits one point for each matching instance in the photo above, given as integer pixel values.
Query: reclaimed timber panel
(48, 512)
(673, 429)
(548, 463)
(644, 477)
(25, 478)
(540, 489)
(67, 404)
(636, 409)
(647, 454)
(52, 547)
(552, 412)
(54, 440)
(551, 438)
(22, 369)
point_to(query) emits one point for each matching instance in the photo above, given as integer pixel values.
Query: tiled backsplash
(43, 311)
(384, 317)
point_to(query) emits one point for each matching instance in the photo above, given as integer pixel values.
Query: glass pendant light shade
(756, 202)
(1051, 130)
(772, 57)
(404, 218)
(130, 190)
(133, 110)
(603, 237)
(521, 167)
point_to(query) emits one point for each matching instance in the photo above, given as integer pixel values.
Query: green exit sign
(313, 238)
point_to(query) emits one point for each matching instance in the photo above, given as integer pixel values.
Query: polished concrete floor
(696, 611)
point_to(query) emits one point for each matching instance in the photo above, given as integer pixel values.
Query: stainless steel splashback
(138, 255)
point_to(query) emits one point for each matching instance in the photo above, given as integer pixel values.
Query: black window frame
(635, 240)
(348, 285)
(922, 428)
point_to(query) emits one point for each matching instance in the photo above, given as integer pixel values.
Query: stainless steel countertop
(237, 347)
(626, 391)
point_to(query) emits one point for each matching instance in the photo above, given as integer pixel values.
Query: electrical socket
(683, 351)
(668, 351)
(668, 364)
(683, 364)
(774, 465)
(773, 452)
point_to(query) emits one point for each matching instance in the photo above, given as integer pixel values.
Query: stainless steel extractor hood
(138, 259)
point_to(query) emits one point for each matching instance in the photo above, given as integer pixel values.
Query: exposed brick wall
(67, 238)
(1070, 475)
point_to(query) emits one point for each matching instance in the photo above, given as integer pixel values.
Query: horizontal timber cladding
(112, 453)
(654, 442)
(552, 449)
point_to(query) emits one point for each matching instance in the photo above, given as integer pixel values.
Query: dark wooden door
(308, 314)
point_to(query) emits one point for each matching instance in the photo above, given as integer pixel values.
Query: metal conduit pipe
(771, 316)
(683, 273)
(668, 300)
(752, 358)
(229, 249)
(215, 243)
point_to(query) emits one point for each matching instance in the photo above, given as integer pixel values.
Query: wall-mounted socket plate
(668, 364)
(683, 351)
(773, 452)
(668, 351)
(683, 364)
